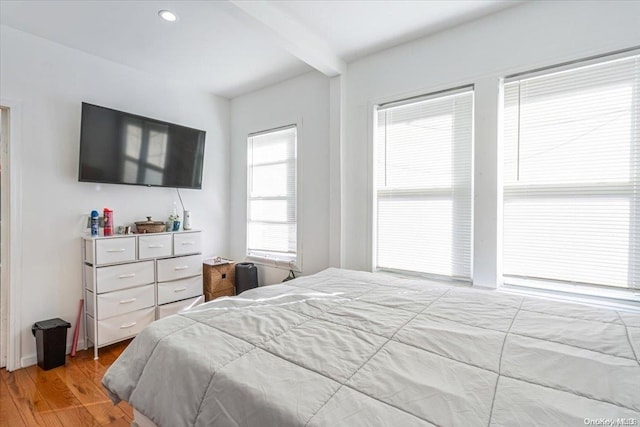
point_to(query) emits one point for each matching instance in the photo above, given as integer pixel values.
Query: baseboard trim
(32, 358)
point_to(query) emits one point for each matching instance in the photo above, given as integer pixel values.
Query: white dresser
(131, 280)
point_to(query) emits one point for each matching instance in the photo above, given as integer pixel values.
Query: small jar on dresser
(131, 280)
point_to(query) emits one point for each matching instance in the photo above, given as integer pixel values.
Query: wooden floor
(70, 395)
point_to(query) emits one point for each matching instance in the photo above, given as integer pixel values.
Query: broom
(76, 330)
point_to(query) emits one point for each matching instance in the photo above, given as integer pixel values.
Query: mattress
(347, 348)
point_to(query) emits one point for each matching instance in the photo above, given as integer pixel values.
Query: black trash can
(51, 342)
(246, 277)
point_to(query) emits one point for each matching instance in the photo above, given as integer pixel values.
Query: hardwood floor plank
(32, 406)
(52, 387)
(73, 417)
(94, 370)
(127, 409)
(119, 422)
(9, 414)
(91, 397)
(70, 395)
(108, 355)
(67, 407)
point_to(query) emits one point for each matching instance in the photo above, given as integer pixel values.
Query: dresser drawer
(121, 249)
(120, 327)
(121, 302)
(179, 268)
(123, 276)
(154, 246)
(187, 243)
(177, 307)
(179, 289)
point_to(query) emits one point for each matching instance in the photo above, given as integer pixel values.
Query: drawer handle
(179, 289)
(116, 250)
(184, 267)
(127, 276)
(128, 325)
(127, 301)
(187, 243)
(155, 246)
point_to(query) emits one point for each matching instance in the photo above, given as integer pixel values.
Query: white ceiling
(357, 28)
(233, 47)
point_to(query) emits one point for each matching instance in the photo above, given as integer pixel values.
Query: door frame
(11, 233)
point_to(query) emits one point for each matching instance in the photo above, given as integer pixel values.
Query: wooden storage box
(219, 280)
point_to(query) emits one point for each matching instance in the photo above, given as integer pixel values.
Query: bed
(348, 348)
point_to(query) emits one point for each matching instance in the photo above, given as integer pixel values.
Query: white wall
(303, 100)
(525, 37)
(50, 81)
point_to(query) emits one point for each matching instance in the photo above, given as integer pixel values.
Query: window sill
(406, 274)
(612, 301)
(282, 264)
(609, 299)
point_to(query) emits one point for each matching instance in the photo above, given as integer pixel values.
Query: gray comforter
(346, 348)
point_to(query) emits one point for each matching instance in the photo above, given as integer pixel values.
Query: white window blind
(271, 204)
(423, 185)
(572, 177)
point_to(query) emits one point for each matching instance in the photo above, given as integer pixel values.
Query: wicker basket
(150, 226)
(219, 280)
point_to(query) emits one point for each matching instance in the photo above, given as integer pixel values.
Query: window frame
(434, 192)
(268, 257)
(604, 295)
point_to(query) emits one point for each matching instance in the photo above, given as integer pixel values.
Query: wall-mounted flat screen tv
(123, 148)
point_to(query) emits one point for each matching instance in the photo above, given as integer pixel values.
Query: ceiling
(236, 46)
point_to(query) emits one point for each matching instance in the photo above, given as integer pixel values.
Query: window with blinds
(572, 177)
(423, 154)
(271, 197)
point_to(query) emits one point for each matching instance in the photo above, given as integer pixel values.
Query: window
(271, 197)
(572, 178)
(423, 153)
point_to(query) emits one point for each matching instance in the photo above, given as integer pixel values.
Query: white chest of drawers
(130, 281)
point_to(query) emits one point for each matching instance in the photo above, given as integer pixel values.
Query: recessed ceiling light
(167, 15)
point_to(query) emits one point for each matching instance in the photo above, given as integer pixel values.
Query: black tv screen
(123, 148)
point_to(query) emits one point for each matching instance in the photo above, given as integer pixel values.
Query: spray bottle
(95, 223)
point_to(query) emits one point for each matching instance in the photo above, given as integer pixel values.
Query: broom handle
(76, 330)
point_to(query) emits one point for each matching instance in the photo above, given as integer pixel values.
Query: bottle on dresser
(95, 223)
(108, 222)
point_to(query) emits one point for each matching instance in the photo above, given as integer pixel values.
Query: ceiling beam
(292, 36)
